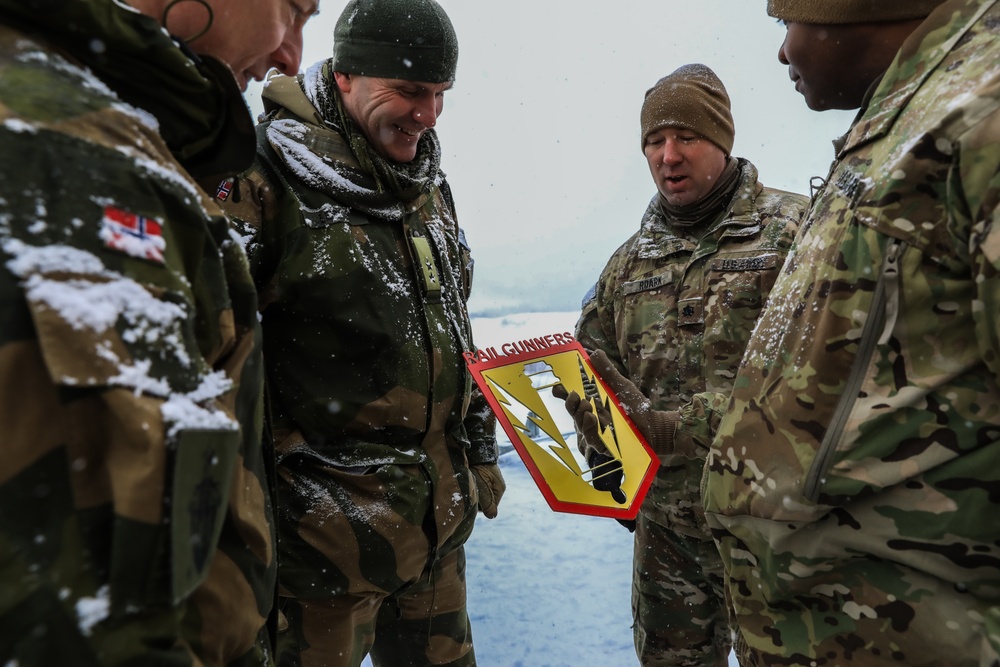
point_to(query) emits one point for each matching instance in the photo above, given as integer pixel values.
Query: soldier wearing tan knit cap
(691, 97)
(672, 311)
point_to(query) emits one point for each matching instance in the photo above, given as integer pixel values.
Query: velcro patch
(760, 263)
(133, 234)
(225, 187)
(646, 284)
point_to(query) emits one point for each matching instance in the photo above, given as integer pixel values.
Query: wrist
(661, 428)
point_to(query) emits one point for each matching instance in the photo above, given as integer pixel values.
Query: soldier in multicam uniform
(385, 450)
(136, 524)
(673, 310)
(853, 482)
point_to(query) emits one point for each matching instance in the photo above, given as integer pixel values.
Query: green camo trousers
(424, 624)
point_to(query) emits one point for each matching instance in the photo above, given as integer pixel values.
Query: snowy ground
(546, 589)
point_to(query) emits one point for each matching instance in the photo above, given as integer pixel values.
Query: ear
(343, 81)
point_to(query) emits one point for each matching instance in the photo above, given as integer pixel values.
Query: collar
(659, 237)
(919, 57)
(195, 99)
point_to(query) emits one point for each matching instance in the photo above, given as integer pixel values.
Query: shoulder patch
(224, 189)
(133, 234)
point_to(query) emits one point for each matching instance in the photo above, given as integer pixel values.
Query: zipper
(878, 327)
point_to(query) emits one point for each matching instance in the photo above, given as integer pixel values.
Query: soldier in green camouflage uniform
(385, 451)
(673, 310)
(136, 523)
(854, 485)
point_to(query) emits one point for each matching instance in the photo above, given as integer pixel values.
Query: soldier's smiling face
(684, 165)
(392, 113)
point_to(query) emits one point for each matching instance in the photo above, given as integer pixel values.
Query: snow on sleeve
(100, 300)
(96, 305)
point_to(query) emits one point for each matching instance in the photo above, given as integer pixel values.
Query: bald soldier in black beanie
(672, 311)
(386, 450)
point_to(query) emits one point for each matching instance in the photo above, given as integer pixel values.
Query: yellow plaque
(518, 380)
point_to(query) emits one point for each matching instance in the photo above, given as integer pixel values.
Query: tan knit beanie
(850, 11)
(693, 98)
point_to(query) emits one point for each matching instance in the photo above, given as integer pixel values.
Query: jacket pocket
(155, 444)
(736, 289)
(878, 326)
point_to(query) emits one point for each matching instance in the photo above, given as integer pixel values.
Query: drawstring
(434, 591)
(816, 185)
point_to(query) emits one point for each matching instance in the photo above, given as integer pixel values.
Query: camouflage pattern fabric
(674, 311)
(855, 481)
(135, 516)
(365, 324)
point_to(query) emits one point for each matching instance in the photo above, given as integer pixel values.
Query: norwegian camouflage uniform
(135, 520)
(673, 309)
(855, 481)
(365, 322)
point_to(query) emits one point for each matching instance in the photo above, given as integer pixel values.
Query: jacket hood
(195, 99)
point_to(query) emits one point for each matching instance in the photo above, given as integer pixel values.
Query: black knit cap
(396, 39)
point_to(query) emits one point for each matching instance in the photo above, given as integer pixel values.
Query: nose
(426, 111)
(782, 58)
(288, 57)
(671, 155)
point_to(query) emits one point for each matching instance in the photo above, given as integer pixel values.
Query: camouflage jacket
(674, 308)
(855, 480)
(135, 517)
(364, 309)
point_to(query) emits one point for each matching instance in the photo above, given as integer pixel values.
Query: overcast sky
(541, 132)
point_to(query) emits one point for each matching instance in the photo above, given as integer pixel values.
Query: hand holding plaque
(657, 426)
(520, 383)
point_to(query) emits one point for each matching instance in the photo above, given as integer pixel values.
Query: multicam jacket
(135, 518)
(674, 311)
(365, 320)
(854, 486)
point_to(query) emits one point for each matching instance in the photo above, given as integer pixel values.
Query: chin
(404, 156)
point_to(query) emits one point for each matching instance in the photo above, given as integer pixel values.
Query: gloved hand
(490, 486)
(587, 423)
(657, 426)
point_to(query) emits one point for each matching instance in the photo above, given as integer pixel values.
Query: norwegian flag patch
(225, 187)
(135, 235)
